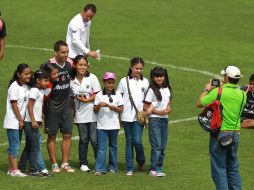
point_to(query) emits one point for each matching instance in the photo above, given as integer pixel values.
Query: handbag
(142, 119)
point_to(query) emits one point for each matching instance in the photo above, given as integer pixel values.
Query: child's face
(54, 75)
(81, 66)
(251, 86)
(43, 83)
(24, 77)
(109, 84)
(137, 70)
(159, 80)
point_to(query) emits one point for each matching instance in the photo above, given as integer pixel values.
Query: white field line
(75, 138)
(127, 59)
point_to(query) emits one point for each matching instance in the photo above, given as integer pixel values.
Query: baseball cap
(232, 72)
(109, 75)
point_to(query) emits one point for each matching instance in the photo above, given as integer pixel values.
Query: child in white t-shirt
(108, 104)
(157, 105)
(17, 100)
(84, 87)
(33, 120)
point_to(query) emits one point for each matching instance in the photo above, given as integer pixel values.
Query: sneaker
(67, 168)
(153, 173)
(17, 173)
(112, 171)
(8, 172)
(84, 168)
(160, 173)
(45, 172)
(37, 174)
(129, 173)
(55, 168)
(96, 173)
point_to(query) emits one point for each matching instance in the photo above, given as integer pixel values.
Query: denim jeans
(41, 163)
(224, 163)
(14, 139)
(133, 134)
(103, 137)
(87, 132)
(158, 138)
(31, 149)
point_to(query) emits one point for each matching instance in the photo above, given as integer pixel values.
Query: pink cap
(109, 75)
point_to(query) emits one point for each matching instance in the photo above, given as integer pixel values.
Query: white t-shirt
(138, 89)
(88, 86)
(108, 119)
(19, 93)
(37, 95)
(151, 98)
(77, 37)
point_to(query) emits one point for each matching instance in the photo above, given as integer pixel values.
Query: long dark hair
(49, 67)
(20, 68)
(135, 61)
(156, 72)
(75, 61)
(39, 74)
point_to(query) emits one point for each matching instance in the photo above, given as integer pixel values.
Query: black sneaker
(47, 174)
(37, 174)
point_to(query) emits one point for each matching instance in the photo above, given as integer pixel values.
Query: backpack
(210, 119)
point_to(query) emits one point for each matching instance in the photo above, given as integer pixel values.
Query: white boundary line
(76, 138)
(127, 59)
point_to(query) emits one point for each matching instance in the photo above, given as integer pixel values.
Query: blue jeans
(224, 163)
(103, 137)
(31, 149)
(158, 137)
(41, 163)
(133, 134)
(14, 139)
(87, 132)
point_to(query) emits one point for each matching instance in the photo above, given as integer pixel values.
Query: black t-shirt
(248, 110)
(2, 29)
(60, 99)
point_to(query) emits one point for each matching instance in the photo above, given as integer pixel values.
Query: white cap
(232, 72)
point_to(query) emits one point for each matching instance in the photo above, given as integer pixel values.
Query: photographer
(224, 162)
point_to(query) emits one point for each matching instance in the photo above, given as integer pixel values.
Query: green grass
(203, 35)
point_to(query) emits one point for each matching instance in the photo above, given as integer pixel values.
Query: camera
(215, 82)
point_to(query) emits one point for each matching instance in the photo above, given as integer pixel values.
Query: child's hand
(113, 108)
(82, 98)
(149, 110)
(21, 124)
(103, 104)
(35, 125)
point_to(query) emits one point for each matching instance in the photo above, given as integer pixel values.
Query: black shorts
(58, 119)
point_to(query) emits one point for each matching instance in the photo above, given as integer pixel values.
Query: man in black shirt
(2, 37)
(247, 116)
(58, 113)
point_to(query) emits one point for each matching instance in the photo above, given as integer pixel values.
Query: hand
(35, 125)
(21, 124)
(103, 104)
(209, 86)
(149, 110)
(92, 54)
(82, 98)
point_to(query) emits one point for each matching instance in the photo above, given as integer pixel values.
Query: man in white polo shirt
(78, 33)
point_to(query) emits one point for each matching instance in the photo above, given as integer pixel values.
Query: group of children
(96, 114)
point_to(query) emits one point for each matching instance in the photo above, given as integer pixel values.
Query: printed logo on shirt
(59, 87)
(87, 86)
(143, 89)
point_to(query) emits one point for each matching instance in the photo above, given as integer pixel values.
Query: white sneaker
(84, 168)
(8, 172)
(44, 171)
(17, 173)
(67, 168)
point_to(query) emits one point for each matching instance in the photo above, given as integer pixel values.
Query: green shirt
(232, 98)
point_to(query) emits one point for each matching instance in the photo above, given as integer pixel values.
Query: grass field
(193, 39)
